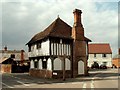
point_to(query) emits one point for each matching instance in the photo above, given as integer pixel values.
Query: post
(64, 68)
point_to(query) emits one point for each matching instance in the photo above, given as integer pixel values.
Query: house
(116, 60)
(100, 53)
(60, 50)
(11, 60)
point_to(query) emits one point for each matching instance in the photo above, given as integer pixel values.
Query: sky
(22, 19)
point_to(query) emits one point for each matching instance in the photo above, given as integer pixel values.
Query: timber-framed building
(59, 44)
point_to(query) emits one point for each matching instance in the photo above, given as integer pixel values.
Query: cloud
(22, 20)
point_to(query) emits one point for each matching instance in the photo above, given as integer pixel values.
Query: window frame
(95, 55)
(104, 55)
(38, 45)
(44, 64)
(36, 64)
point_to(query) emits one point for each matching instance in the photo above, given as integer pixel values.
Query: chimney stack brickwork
(77, 17)
(22, 57)
(79, 44)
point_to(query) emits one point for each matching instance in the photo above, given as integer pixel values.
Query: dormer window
(38, 45)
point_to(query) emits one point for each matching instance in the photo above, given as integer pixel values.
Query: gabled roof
(99, 48)
(57, 29)
(3, 59)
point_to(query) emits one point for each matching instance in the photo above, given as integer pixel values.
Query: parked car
(103, 66)
(95, 65)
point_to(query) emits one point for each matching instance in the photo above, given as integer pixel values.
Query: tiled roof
(3, 59)
(99, 48)
(57, 29)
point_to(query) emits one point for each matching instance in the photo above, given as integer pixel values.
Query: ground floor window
(105, 63)
(35, 64)
(44, 65)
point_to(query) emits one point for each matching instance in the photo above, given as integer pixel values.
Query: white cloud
(29, 18)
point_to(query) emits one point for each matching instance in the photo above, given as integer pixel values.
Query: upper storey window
(38, 45)
(94, 55)
(104, 55)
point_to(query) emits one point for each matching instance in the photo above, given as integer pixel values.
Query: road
(97, 79)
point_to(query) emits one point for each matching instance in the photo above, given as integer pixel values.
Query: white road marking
(7, 85)
(23, 83)
(92, 85)
(58, 83)
(75, 83)
(84, 85)
(15, 77)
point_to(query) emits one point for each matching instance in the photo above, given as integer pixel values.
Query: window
(12, 55)
(38, 45)
(103, 55)
(44, 64)
(104, 63)
(36, 63)
(95, 55)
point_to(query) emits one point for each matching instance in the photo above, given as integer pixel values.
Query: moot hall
(59, 50)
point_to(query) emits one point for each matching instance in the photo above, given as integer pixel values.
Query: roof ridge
(54, 23)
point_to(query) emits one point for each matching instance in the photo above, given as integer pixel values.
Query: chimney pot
(5, 48)
(22, 57)
(77, 17)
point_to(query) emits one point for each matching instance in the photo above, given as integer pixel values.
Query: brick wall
(40, 73)
(6, 68)
(116, 62)
(59, 74)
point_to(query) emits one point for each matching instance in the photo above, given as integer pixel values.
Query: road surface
(98, 79)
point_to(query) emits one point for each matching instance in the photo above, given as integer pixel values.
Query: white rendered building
(100, 53)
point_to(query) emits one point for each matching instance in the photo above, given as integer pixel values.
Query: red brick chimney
(22, 57)
(79, 43)
(78, 30)
(77, 17)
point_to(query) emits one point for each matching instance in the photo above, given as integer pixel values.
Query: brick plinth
(59, 74)
(49, 74)
(6, 68)
(42, 73)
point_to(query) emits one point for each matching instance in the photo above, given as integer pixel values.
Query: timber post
(64, 67)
